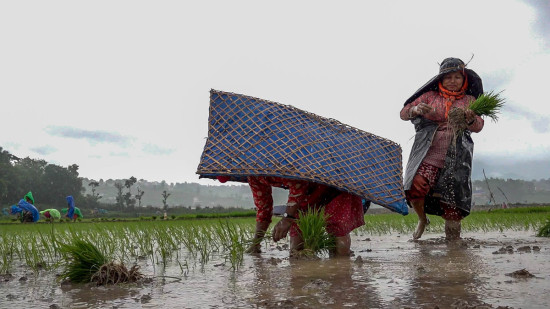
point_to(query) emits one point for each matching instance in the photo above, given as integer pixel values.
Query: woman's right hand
(281, 229)
(420, 110)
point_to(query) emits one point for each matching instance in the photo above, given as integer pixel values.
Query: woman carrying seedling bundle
(437, 178)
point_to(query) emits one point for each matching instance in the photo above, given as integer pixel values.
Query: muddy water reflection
(444, 273)
(387, 271)
(336, 283)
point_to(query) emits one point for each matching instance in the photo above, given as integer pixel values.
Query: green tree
(139, 195)
(94, 184)
(8, 179)
(165, 196)
(57, 182)
(128, 183)
(119, 197)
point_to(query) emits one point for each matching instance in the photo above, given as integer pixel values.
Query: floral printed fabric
(423, 181)
(345, 210)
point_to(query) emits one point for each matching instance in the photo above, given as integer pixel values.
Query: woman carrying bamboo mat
(437, 177)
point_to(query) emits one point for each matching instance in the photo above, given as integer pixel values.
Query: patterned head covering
(475, 86)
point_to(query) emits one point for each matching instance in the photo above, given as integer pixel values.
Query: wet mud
(507, 269)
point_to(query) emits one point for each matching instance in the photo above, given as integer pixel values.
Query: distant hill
(239, 195)
(511, 168)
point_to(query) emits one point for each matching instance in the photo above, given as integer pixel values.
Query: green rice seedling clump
(87, 264)
(544, 231)
(84, 260)
(488, 104)
(312, 224)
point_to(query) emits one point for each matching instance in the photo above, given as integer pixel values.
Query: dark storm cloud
(542, 22)
(44, 150)
(91, 136)
(156, 150)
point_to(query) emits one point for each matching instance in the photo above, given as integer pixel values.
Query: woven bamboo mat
(251, 136)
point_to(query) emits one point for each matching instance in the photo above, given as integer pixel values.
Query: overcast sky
(121, 88)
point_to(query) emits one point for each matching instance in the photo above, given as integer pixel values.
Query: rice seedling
(488, 104)
(83, 261)
(234, 242)
(87, 264)
(316, 239)
(544, 231)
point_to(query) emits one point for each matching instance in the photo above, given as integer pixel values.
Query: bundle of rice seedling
(316, 239)
(488, 104)
(87, 264)
(84, 260)
(113, 273)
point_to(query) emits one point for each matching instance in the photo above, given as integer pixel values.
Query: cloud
(510, 167)
(542, 22)
(539, 122)
(496, 80)
(156, 150)
(44, 150)
(92, 137)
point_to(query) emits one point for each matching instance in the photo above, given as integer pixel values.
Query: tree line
(51, 183)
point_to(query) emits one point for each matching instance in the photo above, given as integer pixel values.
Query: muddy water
(388, 271)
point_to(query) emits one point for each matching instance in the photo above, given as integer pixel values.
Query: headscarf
(448, 65)
(30, 197)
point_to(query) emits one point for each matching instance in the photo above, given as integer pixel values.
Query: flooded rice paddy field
(507, 269)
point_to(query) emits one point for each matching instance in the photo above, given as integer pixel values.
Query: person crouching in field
(344, 210)
(73, 212)
(51, 214)
(29, 213)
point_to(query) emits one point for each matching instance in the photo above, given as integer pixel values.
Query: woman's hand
(470, 117)
(420, 110)
(281, 229)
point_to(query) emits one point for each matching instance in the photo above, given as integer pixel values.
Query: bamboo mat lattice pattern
(251, 136)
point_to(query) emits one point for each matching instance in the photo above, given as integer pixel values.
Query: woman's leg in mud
(343, 245)
(453, 217)
(418, 206)
(452, 229)
(261, 228)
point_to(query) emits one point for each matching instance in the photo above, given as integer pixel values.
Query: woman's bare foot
(420, 227)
